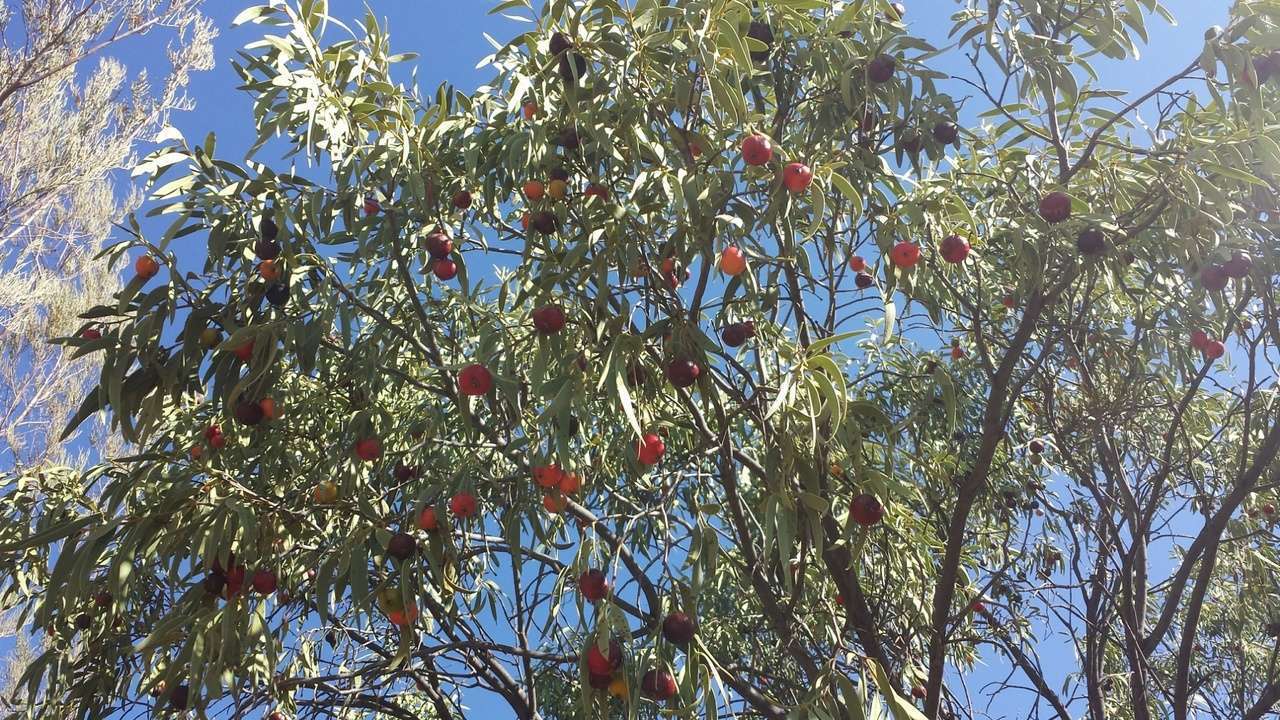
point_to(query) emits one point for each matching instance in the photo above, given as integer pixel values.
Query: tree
(703, 363)
(62, 139)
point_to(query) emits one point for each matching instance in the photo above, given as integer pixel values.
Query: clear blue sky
(447, 36)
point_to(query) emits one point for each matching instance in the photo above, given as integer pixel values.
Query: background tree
(66, 130)
(701, 363)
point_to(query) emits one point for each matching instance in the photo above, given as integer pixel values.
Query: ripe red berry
(439, 245)
(1214, 349)
(905, 254)
(462, 199)
(683, 372)
(797, 177)
(650, 448)
(475, 379)
(548, 319)
(857, 263)
(866, 510)
(368, 449)
(738, 333)
(678, 628)
(757, 149)
(659, 685)
(593, 585)
(264, 582)
(402, 546)
(91, 334)
(1199, 339)
(248, 413)
(463, 505)
(598, 664)
(445, 269)
(1214, 277)
(954, 249)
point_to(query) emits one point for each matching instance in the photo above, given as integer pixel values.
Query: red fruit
(91, 334)
(650, 449)
(598, 664)
(547, 476)
(857, 263)
(1009, 302)
(1268, 509)
(463, 505)
(475, 379)
(598, 682)
(797, 177)
(678, 628)
(1214, 277)
(866, 510)
(264, 582)
(840, 599)
(530, 109)
(659, 685)
(146, 267)
(1055, 207)
(548, 319)
(570, 483)
(683, 372)
(372, 206)
(918, 692)
(445, 269)
(244, 353)
(978, 607)
(596, 191)
(593, 585)
(1199, 339)
(954, 249)
(439, 245)
(248, 413)
(427, 519)
(738, 333)
(881, 69)
(757, 149)
(905, 254)
(1214, 349)
(1239, 265)
(368, 449)
(405, 473)
(235, 581)
(462, 199)
(957, 353)
(276, 715)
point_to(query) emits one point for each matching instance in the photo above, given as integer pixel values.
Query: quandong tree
(703, 363)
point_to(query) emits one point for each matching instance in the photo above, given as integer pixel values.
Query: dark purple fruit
(762, 32)
(266, 249)
(683, 372)
(863, 280)
(402, 546)
(880, 70)
(248, 413)
(544, 222)
(678, 628)
(1091, 241)
(268, 229)
(84, 621)
(559, 43)
(278, 294)
(573, 66)
(738, 333)
(946, 132)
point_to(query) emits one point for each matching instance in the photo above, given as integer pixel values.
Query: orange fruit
(325, 493)
(269, 270)
(558, 189)
(197, 452)
(732, 261)
(269, 409)
(555, 504)
(427, 519)
(146, 267)
(530, 109)
(570, 483)
(534, 190)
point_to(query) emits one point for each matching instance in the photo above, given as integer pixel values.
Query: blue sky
(447, 35)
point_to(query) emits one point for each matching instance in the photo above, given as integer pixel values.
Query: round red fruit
(475, 379)
(659, 685)
(954, 249)
(264, 582)
(683, 372)
(650, 449)
(757, 149)
(463, 505)
(368, 449)
(462, 199)
(866, 510)
(445, 269)
(548, 319)
(905, 254)
(439, 245)
(797, 177)
(678, 628)
(598, 664)
(593, 585)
